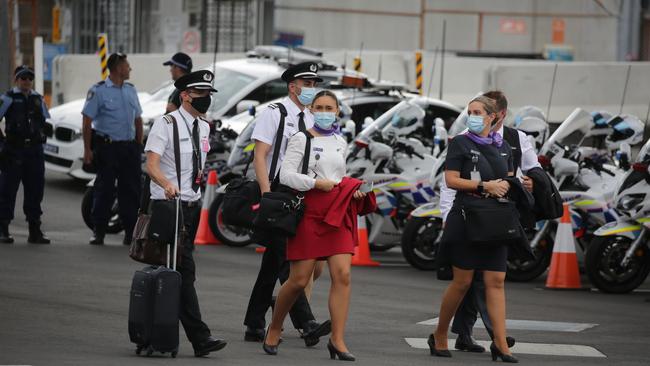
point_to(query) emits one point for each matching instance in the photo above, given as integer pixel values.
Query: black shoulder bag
(281, 210)
(244, 194)
(491, 221)
(156, 228)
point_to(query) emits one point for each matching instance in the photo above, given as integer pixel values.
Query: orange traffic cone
(564, 273)
(362, 251)
(204, 235)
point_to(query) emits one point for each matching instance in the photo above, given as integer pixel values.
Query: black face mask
(201, 104)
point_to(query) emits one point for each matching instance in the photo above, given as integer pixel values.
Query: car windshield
(226, 81)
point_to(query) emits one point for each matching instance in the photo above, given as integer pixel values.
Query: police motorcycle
(618, 258)
(390, 155)
(586, 177)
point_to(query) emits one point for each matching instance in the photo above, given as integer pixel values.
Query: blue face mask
(475, 124)
(306, 95)
(324, 120)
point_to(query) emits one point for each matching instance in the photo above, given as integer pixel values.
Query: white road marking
(545, 349)
(547, 326)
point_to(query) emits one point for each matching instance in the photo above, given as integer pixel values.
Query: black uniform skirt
(465, 255)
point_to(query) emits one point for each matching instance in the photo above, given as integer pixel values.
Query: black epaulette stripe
(273, 106)
(170, 119)
(100, 83)
(127, 83)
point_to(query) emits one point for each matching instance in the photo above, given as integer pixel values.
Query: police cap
(181, 60)
(200, 80)
(23, 70)
(305, 70)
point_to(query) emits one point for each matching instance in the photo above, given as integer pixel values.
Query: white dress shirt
(266, 126)
(326, 161)
(161, 142)
(528, 161)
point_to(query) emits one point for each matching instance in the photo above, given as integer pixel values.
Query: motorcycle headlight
(627, 203)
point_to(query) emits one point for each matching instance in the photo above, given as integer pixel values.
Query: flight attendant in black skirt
(476, 164)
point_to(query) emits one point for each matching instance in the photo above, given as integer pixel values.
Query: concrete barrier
(73, 75)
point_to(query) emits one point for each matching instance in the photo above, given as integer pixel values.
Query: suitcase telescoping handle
(175, 252)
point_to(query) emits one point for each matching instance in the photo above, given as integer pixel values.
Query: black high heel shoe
(269, 349)
(496, 353)
(436, 352)
(343, 356)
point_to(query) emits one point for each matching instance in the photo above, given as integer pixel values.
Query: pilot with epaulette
(22, 155)
(112, 133)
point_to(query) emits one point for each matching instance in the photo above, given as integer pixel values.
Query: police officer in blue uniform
(112, 132)
(180, 64)
(22, 155)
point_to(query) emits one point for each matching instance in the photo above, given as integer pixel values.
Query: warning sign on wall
(512, 26)
(191, 41)
(558, 28)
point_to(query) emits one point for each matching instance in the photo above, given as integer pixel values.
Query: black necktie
(301, 122)
(196, 158)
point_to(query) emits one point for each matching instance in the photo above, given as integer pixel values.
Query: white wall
(594, 38)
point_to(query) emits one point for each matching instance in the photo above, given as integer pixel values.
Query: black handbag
(282, 209)
(156, 227)
(491, 221)
(242, 193)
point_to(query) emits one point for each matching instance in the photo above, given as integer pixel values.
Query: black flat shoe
(211, 344)
(334, 353)
(496, 353)
(468, 344)
(269, 349)
(254, 334)
(436, 352)
(313, 331)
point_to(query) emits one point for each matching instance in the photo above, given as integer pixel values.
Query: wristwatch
(479, 187)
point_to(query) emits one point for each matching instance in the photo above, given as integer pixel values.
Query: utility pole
(5, 51)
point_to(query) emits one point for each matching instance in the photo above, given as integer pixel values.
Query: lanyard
(195, 149)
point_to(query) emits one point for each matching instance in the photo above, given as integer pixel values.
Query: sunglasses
(30, 78)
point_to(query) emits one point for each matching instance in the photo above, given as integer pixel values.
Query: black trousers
(274, 267)
(190, 312)
(473, 303)
(121, 162)
(26, 165)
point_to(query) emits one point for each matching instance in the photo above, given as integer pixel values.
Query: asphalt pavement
(67, 304)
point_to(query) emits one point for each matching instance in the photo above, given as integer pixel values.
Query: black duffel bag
(491, 221)
(282, 209)
(244, 194)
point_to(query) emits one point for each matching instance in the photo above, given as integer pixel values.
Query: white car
(64, 147)
(241, 84)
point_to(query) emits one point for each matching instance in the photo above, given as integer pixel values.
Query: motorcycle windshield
(575, 128)
(380, 123)
(644, 153)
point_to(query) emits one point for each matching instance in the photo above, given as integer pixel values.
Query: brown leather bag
(143, 248)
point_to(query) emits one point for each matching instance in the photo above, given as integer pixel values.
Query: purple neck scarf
(492, 138)
(330, 132)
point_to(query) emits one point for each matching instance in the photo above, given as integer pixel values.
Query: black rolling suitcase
(155, 305)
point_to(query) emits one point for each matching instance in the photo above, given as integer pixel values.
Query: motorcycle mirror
(351, 128)
(367, 121)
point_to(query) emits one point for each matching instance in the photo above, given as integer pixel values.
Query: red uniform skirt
(314, 238)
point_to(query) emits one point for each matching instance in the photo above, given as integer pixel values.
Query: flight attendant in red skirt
(328, 230)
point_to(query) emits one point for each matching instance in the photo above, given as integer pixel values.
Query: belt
(20, 142)
(108, 140)
(191, 204)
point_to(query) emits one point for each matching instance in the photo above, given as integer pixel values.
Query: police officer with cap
(301, 81)
(112, 133)
(22, 155)
(180, 64)
(193, 131)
